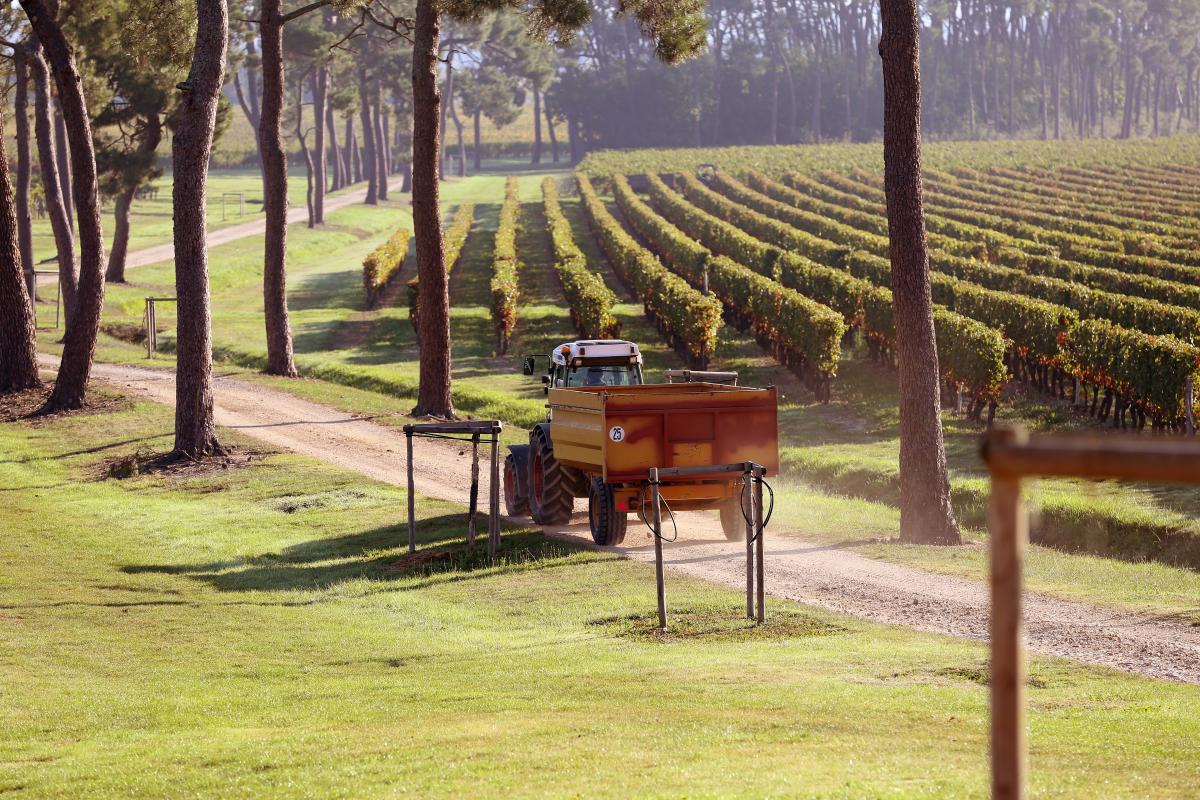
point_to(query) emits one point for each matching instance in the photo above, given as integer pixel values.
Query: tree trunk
(275, 197)
(433, 303)
(458, 128)
(926, 514)
(353, 165)
(338, 172)
(18, 339)
(124, 205)
(120, 246)
(84, 325)
(537, 125)
(443, 111)
(573, 137)
(195, 428)
(309, 199)
(63, 155)
(64, 241)
(478, 156)
(381, 145)
(369, 162)
(320, 95)
(550, 132)
(24, 168)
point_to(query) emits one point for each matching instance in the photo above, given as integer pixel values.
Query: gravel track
(823, 576)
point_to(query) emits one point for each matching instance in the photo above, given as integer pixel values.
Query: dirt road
(219, 236)
(819, 575)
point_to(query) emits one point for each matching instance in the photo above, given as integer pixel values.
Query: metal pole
(746, 497)
(412, 522)
(758, 543)
(494, 496)
(146, 317)
(658, 553)
(1008, 525)
(473, 503)
(57, 304)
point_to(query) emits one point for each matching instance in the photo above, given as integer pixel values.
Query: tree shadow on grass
(341, 289)
(378, 554)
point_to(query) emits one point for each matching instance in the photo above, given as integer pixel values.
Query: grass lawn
(151, 221)
(243, 632)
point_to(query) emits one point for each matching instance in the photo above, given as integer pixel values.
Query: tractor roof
(588, 349)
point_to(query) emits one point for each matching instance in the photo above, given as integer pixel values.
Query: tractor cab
(584, 363)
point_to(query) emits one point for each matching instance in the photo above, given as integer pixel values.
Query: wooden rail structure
(1012, 455)
(150, 320)
(241, 199)
(57, 300)
(752, 483)
(476, 432)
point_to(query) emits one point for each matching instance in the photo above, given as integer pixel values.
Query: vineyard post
(1189, 401)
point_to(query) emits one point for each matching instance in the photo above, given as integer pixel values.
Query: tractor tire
(550, 500)
(516, 500)
(733, 523)
(607, 523)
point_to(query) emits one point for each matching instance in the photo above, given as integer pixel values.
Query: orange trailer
(602, 441)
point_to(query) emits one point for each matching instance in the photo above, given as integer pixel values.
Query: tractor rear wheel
(550, 500)
(516, 503)
(608, 524)
(733, 522)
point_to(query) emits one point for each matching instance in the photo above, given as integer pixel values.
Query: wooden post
(747, 497)
(494, 497)
(473, 501)
(658, 553)
(758, 543)
(1008, 525)
(1189, 402)
(412, 521)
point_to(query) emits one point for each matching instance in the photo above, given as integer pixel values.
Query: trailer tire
(516, 495)
(550, 499)
(733, 523)
(607, 523)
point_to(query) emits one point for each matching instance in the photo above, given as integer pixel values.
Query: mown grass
(243, 632)
(150, 223)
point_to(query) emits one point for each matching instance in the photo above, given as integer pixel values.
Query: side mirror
(528, 367)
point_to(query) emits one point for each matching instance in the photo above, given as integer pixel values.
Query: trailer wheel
(516, 503)
(607, 523)
(733, 523)
(550, 500)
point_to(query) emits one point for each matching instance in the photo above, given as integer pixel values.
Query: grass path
(544, 319)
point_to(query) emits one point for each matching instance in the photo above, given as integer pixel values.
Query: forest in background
(775, 72)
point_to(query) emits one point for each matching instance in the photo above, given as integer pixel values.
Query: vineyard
(1075, 282)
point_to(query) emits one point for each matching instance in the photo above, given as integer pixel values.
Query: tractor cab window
(611, 375)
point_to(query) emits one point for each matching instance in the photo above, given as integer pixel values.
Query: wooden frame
(471, 431)
(150, 319)
(1011, 455)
